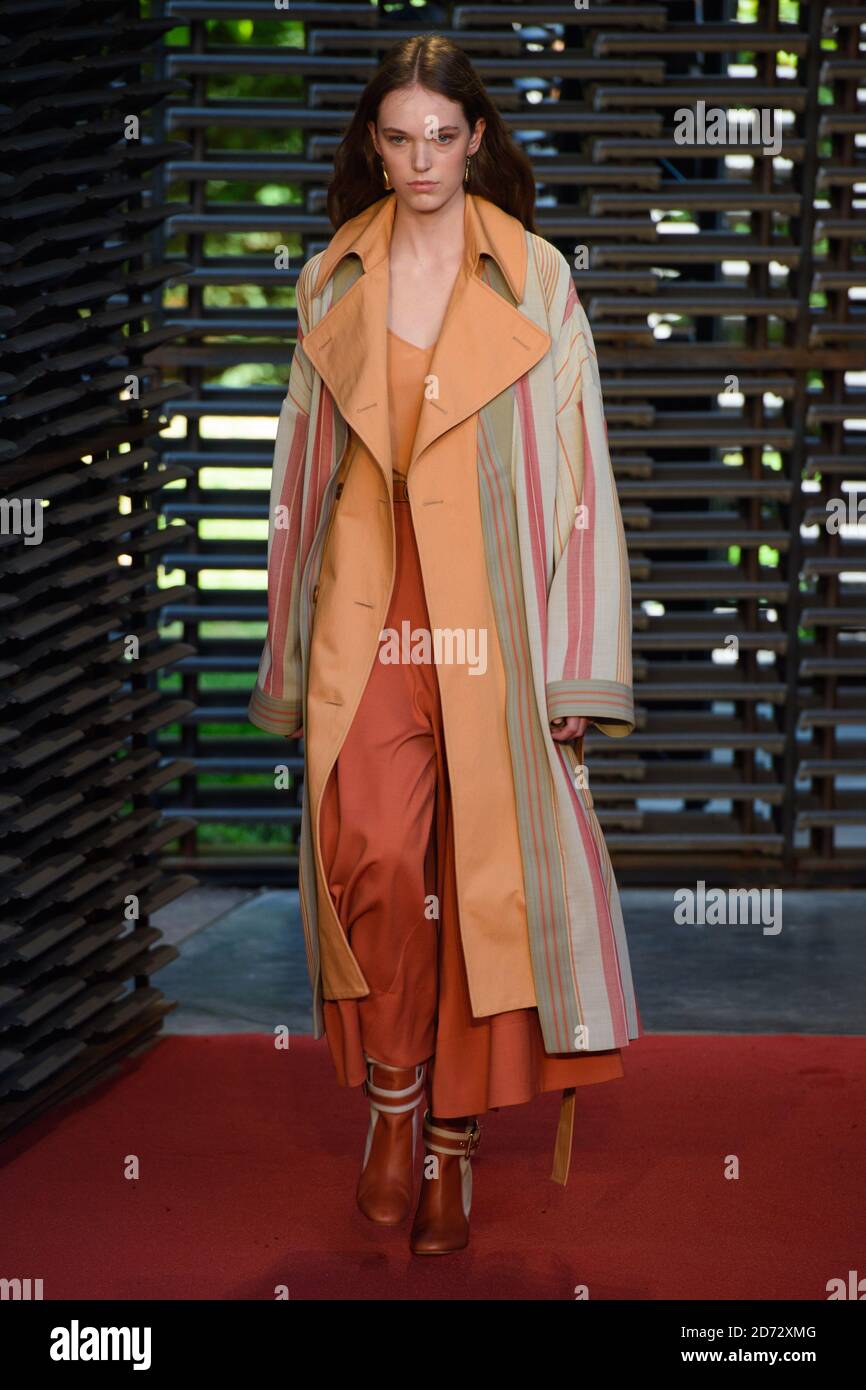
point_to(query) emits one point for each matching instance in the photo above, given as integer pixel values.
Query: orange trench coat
(520, 538)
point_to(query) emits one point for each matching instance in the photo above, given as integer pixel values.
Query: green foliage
(247, 835)
(267, 140)
(248, 297)
(258, 33)
(256, 86)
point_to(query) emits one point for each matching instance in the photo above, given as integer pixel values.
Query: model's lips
(422, 184)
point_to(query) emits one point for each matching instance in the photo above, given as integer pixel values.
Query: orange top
(407, 369)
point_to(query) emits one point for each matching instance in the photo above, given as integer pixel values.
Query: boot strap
(458, 1144)
(393, 1102)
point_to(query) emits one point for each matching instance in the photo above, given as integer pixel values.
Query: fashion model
(449, 609)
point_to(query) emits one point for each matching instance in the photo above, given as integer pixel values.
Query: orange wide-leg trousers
(388, 853)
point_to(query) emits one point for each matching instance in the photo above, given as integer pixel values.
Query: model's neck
(429, 236)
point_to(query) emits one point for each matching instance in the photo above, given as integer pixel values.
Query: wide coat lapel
(348, 347)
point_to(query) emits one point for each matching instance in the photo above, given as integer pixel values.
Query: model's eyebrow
(395, 129)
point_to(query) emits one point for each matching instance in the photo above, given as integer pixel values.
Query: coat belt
(564, 1135)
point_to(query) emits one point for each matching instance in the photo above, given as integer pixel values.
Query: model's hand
(564, 730)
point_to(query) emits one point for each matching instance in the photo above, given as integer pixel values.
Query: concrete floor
(242, 966)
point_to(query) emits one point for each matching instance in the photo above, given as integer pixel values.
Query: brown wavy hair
(499, 170)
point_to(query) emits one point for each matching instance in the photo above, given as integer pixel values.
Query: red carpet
(249, 1157)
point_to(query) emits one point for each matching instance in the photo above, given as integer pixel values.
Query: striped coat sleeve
(276, 703)
(589, 619)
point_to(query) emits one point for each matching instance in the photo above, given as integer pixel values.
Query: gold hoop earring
(466, 174)
(385, 175)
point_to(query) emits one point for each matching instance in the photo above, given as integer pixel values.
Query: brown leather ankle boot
(387, 1182)
(442, 1219)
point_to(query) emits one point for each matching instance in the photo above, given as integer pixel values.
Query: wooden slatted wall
(81, 832)
(725, 289)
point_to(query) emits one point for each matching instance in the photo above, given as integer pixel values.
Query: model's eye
(446, 139)
(396, 139)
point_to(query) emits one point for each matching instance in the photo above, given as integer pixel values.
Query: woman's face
(424, 140)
